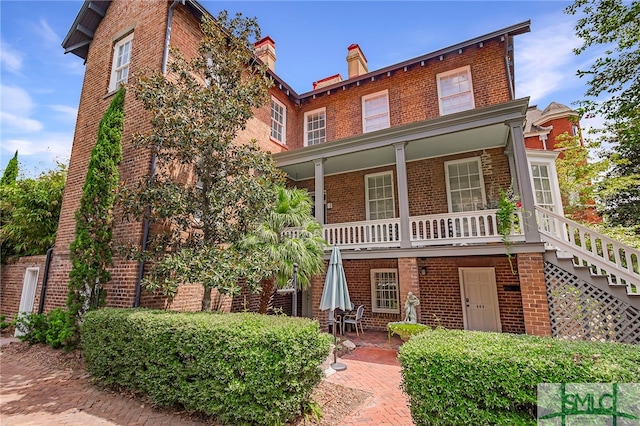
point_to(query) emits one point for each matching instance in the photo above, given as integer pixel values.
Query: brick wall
(425, 181)
(11, 279)
(438, 290)
(441, 300)
(534, 294)
(413, 94)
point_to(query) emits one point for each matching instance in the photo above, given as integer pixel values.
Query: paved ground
(32, 393)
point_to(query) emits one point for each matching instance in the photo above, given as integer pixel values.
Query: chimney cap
(354, 46)
(265, 40)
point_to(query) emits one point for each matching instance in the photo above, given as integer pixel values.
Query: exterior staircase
(593, 282)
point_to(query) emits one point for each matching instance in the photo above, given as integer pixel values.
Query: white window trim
(446, 177)
(374, 307)
(306, 130)
(366, 191)
(441, 75)
(284, 122)
(364, 117)
(112, 82)
(546, 158)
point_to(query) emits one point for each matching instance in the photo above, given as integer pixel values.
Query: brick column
(317, 284)
(408, 282)
(535, 305)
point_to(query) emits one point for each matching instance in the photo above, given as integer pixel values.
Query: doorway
(28, 297)
(480, 309)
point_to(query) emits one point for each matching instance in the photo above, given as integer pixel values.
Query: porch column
(319, 190)
(408, 282)
(531, 234)
(403, 195)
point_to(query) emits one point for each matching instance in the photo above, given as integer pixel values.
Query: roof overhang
(80, 34)
(473, 130)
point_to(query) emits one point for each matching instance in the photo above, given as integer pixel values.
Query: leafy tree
(578, 174)
(280, 249)
(207, 191)
(91, 252)
(31, 210)
(616, 77)
(11, 172)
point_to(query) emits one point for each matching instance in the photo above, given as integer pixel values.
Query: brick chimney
(328, 81)
(265, 50)
(356, 61)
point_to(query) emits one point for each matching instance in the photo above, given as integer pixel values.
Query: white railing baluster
(614, 258)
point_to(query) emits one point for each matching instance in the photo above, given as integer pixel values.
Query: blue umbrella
(335, 295)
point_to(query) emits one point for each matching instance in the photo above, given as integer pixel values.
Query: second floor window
(315, 126)
(121, 60)
(465, 185)
(379, 196)
(375, 111)
(455, 90)
(542, 186)
(278, 121)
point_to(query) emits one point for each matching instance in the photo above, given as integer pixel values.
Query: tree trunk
(265, 296)
(206, 300)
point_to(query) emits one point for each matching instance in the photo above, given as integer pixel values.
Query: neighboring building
(405, 164)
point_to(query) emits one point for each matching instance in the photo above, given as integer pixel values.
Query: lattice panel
(582, 311)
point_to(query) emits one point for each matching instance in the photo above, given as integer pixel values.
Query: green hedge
(241, 368)
(462, 377)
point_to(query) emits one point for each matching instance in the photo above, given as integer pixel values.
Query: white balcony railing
(368, 234)
(475, 227)
(480, 226)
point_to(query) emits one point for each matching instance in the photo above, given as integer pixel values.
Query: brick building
(405, 165)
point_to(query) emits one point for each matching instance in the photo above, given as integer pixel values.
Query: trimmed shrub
(241, 368)
(457, 377)
(406, 330)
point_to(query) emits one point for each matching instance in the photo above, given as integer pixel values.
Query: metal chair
(338, 322)
(355, 319)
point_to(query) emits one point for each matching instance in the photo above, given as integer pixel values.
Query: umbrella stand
(338, 366)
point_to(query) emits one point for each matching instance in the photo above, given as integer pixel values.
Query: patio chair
(355, 319)
(338, 321)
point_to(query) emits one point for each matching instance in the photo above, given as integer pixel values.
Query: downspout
(147, 222)
(507, 65)
(45, 279)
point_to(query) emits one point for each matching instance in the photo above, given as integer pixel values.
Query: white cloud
(545, 60)
(15, 99)
(13, 122)
(10, 59)
(66, 112)
(56, 145)
(45, 31)
(16, 107)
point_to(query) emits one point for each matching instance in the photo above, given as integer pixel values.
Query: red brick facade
(412, 97)
(11, 279)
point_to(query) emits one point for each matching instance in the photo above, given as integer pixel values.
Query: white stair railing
(604, 255)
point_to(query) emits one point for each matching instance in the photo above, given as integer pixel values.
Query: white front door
(479, 299)
(28, 293)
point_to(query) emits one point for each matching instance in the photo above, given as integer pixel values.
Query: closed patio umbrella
(335, 295)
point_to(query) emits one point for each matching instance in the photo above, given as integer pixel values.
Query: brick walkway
(373, 367)
(33, 394)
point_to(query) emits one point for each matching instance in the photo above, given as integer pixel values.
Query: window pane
(465, 186)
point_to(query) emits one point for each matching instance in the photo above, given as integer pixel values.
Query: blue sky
(40, 85)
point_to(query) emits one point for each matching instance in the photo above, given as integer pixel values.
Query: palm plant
(289, 234)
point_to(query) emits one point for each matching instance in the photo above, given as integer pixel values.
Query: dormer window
(315, 127)
(278, 121)
(455, 90)
(375, 111)
(121, 60)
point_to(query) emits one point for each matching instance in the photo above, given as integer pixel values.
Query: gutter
(147, 222)
(45, 280)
